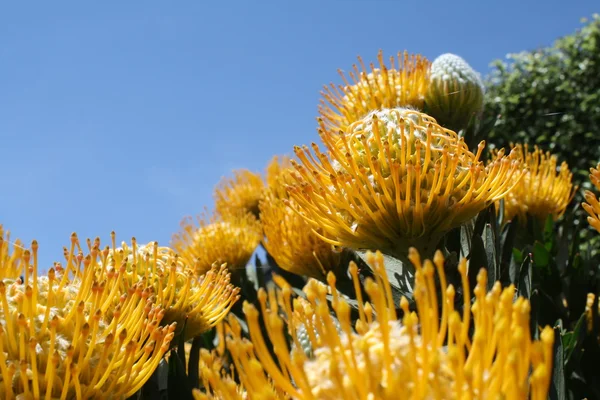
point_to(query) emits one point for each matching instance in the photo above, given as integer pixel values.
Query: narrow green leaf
(179, 388)
(525, 277)
(194, 362)
(558, 385)
(493, 267)
(400, 275)
(574, 344)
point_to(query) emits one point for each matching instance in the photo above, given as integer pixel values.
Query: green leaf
(573, 344)
(541, 256)
(493, 267)
(558, 385)
(524, 285)
(194, 361)
(400, 275)
(179, 388)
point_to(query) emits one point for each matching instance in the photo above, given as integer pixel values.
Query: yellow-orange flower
(402, 84)
(426, 355)
(544, 189)
(239, 194)
(73, 334)
(288, 237)
(228, 241)
(393, 180)
(591, 205)
(197, 301)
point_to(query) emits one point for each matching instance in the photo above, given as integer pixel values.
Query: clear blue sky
(124, 115)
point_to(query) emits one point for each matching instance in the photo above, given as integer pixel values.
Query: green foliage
(551, 97)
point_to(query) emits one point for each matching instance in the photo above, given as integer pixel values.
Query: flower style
(403, 84)
(288, 237)
(9, 263)
(78, 337)
(591, 205)
(239, 194)
(423, 354)
(197, 302)
(544, 189)
(395, 179)
(230, 241)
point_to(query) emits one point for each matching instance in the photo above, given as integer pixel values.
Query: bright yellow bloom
(200, 301)
(228, 241)
(76, 337)
(402, 84)
(591, 205)
(544, 189)
(239, 194)
(421, 356)
(288, 237)
(396, 179)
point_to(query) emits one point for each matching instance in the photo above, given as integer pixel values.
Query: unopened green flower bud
(455, 92)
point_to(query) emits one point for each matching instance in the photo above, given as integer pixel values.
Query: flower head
(544, 189)
(591, 205)
(197, 302)
(424, 354)
(402, 84)
(74, 334)
(393, 180)
(288, 237)
(455, 92)
(228, 241)
(239, 194)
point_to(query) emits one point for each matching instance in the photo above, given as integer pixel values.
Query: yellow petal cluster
(591, 205)
(402, 84)
(544, 189)
(230, 241)
(287, 236)
(239, 194)
(197, 302)
(73, 334)
(393, 180)
(423, 354)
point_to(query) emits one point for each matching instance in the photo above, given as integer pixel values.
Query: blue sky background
(124, 115)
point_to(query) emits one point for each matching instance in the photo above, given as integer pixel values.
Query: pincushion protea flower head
(543, 191)
(197, 302)
(288, 237)
(591, 205)
(393, 180)
(239, 194)
(383, 355)
(79, 337)
(403, 84)
(227, 240)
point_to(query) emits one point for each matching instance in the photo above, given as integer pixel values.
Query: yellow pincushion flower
(426, 356)
(393, 180)
(544, 189)
(402, 84)
(239, 194)
(79, 337)
(228, 241)
(200, 301)
(288, 237)
(591, 205)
